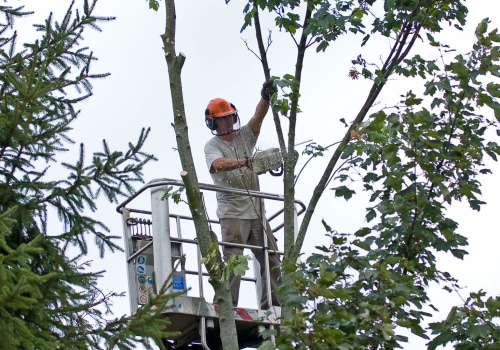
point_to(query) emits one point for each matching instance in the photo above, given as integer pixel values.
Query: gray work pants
(250, 231)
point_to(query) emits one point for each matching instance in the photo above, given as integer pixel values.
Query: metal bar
(268, 274)
(205, 274)
(167, 182)
(203, 333)
(238, 245)
(127, 238)
(185, 217)
(161, 235)
(179, 234)
(137, 253)
(200, 273)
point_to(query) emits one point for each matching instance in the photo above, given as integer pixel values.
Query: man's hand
(268, 90)
(249, 163)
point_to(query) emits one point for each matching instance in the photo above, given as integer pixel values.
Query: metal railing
(132, 255)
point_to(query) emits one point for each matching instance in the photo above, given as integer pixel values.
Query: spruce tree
(48, 297)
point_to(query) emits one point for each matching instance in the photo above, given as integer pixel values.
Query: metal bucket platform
(152, 249)
(188, 314)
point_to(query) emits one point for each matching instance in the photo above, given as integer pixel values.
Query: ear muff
(209, 120)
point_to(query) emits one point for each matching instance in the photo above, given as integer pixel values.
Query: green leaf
(365, 40)
(459, 253)
(343, 191)
(154, 5)
(371, 177)
(479, 331)
(482, 27)
(459, 68)
(358, 13)
(432, 41)
(412, 100)
(370, 215)
(389, 5)
(326, 226)
(362, 244)
(348, 150)
(444, 85)
(493, 89)
(399, 299)
(238, 264)
(363, 231)
(387, 330)
(267, 345)
(322, 46)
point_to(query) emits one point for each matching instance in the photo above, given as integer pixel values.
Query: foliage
(49, 299)
(417, 159)
(343, 300)
(174, 194)
(414, 160)
(236, 264)
(472, 326)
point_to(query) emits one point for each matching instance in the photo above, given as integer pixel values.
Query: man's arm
(217, 162)
(227, 164)
(255, 122)
(268, 89)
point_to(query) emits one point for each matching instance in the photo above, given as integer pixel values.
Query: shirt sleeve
(212, 152)
(249, 138)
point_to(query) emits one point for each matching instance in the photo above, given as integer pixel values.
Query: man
(229, 159)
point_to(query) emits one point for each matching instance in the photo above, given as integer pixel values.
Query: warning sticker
(178, 282)
(141, 259)
(143, 299)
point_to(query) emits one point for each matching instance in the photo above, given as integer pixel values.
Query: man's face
(225, 124)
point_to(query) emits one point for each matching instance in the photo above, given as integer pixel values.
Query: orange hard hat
(219, 107)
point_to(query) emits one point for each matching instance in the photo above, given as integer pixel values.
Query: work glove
(268, 90)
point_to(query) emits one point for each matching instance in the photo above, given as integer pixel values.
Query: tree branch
(397, 54)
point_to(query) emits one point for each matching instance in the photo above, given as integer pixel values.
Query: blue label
(150, 280)
(141, 259)
(178, 282)
(141, 269)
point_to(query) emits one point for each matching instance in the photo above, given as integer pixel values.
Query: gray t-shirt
(235, 205)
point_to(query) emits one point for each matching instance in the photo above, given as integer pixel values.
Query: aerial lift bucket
(150, 246)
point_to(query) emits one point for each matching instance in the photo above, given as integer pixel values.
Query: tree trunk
(206, 238)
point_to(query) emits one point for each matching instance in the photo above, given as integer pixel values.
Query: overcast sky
(219, 64)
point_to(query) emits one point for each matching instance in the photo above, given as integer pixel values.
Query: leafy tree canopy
(414, 160)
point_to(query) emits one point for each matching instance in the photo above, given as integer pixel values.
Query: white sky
(219, 65)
